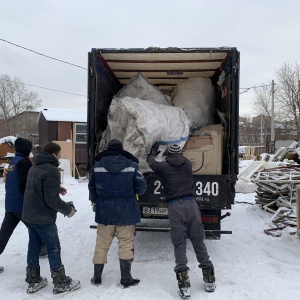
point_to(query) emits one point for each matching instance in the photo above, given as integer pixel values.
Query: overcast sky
(267, 34)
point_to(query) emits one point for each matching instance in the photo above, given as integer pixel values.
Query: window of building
(81, 133)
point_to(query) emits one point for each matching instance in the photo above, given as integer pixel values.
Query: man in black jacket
(14, 192)
(41, 204)
(184, 216)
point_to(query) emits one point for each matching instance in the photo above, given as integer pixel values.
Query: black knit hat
(51, 148)
(174, 149)
(115, 145)
(23, 146)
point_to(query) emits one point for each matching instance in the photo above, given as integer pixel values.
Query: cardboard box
(207, 159)
(196, 142)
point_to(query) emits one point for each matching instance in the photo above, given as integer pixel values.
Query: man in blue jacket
(15, 188)
(14, 191)
(114, 183)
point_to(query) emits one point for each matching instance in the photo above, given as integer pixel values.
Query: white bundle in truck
(138, 124)
(196, 97)
(140, 87)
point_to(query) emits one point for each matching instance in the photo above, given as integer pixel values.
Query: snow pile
(245, 187)
(66, 176)
(8, 139)
(242, 185)
(10, 154)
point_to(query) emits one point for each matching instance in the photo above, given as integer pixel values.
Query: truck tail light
(209, 219)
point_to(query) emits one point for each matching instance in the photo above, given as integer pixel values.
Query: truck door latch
(228, 214)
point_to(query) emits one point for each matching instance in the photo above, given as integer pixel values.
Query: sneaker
(184, 292)
(34, 287)
(1, 269)
(210, 287)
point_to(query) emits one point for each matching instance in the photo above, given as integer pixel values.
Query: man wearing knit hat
(41, 204)
(14, 191)
(184, 216)
(115, 180)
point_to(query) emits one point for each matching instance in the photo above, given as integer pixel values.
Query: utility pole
(272, 117)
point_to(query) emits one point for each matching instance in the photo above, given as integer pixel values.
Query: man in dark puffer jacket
(114, 183)
(184, 216)
(41, 204)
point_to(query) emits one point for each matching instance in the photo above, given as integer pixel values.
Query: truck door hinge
(235, 70)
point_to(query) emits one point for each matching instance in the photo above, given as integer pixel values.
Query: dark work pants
(185, 220)
(48, 233)
(10, 222)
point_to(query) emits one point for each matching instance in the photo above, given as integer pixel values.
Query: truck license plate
(163, 211)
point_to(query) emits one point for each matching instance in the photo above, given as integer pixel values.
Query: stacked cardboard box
(205, 150)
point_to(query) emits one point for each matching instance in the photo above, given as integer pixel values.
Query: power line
(45, 88)
(252, 87)
(65, 62)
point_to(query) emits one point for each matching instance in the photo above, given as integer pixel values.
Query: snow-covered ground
(249, 264)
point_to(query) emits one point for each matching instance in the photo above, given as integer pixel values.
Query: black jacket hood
(44, 158)
(175, 160)
(115, 163)
(116, 152)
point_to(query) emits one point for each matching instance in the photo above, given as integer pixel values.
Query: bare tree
(287, 92)
(15, 98)
(247, 134)
(262, 104)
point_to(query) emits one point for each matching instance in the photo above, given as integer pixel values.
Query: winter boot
(98, 269)
(209, 278)
(183, 284)
(35, 281)
(126, 279)
(63, 283)
(1, 269)
(44, 251)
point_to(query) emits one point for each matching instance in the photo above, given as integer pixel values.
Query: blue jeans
(48, 233)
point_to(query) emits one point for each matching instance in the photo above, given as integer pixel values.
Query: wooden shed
(4, 149)
(7, 152)
(65, 125)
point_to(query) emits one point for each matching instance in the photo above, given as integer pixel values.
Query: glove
(154, 149)
(94, 207)
(72, 213)
(72, 204)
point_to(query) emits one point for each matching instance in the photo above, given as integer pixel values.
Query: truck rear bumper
(162, 229)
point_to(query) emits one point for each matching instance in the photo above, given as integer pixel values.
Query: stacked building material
(283, 218)
(277, 187)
